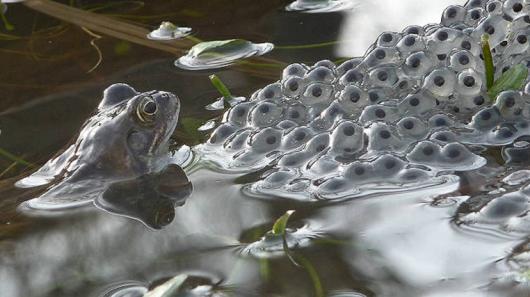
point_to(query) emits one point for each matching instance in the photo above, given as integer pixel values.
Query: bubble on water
(221, 53)
(319, 6)
(169, 31)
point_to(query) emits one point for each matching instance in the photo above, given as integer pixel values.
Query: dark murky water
(405, 244)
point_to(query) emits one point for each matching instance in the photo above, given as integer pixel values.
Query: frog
(127, 137)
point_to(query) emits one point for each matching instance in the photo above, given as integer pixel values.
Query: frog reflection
(150, 198)
(127, 138)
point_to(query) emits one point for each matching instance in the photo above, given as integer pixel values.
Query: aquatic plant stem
(488, 61)
(220, 86)
(7, 24)
(313, 275)
(14, 158)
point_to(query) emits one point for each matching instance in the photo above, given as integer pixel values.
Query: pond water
(409, 243)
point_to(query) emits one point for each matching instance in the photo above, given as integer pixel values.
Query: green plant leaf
(281, 224)
(488, 61)
(513, 79)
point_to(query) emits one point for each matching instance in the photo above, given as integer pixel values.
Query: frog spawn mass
(409, 112)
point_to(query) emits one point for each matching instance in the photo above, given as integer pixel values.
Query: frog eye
(146, 110)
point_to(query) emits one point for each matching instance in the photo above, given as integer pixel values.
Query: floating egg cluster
(412, 109)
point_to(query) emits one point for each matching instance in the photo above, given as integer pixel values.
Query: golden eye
(146, 110)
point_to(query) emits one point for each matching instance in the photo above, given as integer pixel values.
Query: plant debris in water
(220, 53)
(169, 31)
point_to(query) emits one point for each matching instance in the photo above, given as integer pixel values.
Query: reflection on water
(370, 18)
(150, 199)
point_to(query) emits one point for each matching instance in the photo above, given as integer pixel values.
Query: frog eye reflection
(146, 110)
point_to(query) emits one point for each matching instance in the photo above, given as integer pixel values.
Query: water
(401, 244)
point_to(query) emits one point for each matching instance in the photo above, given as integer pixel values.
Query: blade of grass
(313, 275)
(14, 158)
(488, 61)
(279, 226)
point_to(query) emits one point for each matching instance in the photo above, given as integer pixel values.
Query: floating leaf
(281, 223)
(217, 47)
(513, 79)
(488, 61)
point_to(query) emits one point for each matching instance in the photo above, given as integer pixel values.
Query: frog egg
(470, 44)
(495, 26)
(443, 41)
(382, 56)
(412, 127)
(237, 115)
(322, 165)
(333, 112)
(455, 156)
(316, 93)
(221, 133)
(347, 138)
(383, 77)
(374, 113)
(475, 3)
(317, 144)
(348, 65)
(494, 7)
(277, 179)
(296, 137)
(461, 60)
(445, 136)
(418, 64)
(297, 113)
(518, 153)
(286, 125)
(293, 86)
(469, 83)
(505, 133)
(293, 160)
(334, 185)
(414, 29)
(416, 104)
(320, 74)
(296, 69)
(265, 114)
(424, 152)
(237, 141)
(376, 95)
(486, 119)
(358, 171)
(410, 43)
(440, 82)
(413, 175)
(510, 104)
(388, 39)
(473, 16)
(453, 14)
(382, 137)
(514, 8)
(265, 140)
(352, 76)
(440, 120)
(388, 166)
(353, 98)
(270, 92)
(326, 63)
(518, 43)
